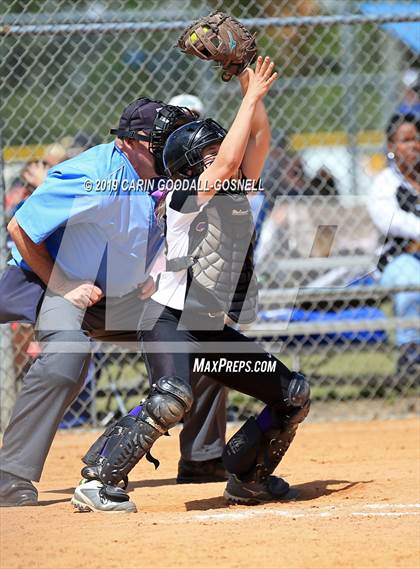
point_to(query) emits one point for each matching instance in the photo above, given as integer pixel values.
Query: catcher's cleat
(198, 472)
(270, 489)
(93, 496)
(16, 492)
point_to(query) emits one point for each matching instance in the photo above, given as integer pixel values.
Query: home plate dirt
(359, 507)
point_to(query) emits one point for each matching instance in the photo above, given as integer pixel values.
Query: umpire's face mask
(158, 159)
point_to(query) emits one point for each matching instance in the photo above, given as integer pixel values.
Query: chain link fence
(69, 67)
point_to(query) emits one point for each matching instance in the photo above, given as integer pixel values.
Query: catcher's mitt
(220, 38)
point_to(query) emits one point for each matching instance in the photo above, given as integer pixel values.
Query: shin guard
(123, 445)
(254, 452)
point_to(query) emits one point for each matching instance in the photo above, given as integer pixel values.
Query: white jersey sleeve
(385, 211)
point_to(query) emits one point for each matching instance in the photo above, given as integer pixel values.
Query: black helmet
(168, 119)
(182, 156)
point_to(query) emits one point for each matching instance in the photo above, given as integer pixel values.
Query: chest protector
(220, 256)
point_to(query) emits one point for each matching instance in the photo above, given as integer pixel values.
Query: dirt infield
(359, 507)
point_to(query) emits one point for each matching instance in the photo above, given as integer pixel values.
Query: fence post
(350, 97)
(7, 369)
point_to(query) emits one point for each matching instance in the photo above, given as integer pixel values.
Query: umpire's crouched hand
(83, 294)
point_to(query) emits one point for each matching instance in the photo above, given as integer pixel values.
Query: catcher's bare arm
(260, 136)
(232, 150)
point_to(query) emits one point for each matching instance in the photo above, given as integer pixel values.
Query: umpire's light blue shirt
(95, 220)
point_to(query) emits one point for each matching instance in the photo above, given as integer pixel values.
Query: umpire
(84, 243)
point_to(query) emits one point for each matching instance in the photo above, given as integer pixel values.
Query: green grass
(350, 365)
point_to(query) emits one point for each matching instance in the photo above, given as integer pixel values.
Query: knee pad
(119, 449)
(167, 403)
(299, 401)
(298, 391)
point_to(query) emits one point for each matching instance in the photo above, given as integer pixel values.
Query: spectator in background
(322, 184)
(55, 153)
(394, 208)
(190, 101)
(411, 101)
(22, 334)
(34, 173)
(284, 174)
(31, 176)
(78, 143)
(15, 194)
(68, 147)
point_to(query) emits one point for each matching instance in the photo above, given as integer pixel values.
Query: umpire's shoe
(15, 491)
(269, 489)
(93, 496)
(198, 472)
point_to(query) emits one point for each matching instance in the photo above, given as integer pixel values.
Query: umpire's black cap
(139, 115)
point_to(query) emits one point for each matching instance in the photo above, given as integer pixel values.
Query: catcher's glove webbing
(220, 38)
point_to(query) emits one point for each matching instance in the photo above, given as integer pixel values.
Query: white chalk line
(384, 506)
(384, 514)
(323, 512)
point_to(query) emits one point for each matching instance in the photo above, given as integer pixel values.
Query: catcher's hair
(397, 120)
(160, 209)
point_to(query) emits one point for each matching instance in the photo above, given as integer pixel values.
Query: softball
(194, 36)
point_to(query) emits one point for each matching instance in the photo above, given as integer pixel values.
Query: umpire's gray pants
(57, 376)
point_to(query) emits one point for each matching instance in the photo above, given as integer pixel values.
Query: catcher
(209, 275)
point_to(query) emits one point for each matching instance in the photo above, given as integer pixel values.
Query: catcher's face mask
(209, 154)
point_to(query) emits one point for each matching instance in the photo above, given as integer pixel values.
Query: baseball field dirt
(359, 507)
